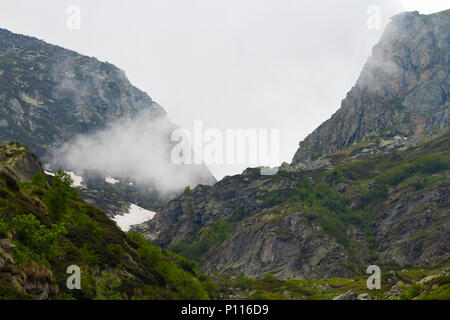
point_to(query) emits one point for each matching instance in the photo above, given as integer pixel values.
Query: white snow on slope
(111, 180)
(135, 215)
(77, 180)
(49, 173)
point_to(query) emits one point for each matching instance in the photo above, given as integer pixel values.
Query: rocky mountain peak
(403, 88)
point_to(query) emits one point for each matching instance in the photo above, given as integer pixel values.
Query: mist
(135, 149)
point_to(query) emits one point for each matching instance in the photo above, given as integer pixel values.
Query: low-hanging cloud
(136, 149)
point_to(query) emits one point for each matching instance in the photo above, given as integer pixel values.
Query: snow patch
(77, 180)
(111, 180)
(49, 173)
(135, 215)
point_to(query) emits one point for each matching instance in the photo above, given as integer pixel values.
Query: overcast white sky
(263, 64)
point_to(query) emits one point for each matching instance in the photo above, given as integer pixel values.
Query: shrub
(35, 235)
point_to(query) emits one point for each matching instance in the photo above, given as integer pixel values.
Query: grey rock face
(18, 161)
(401, 223)
(288, 247)
(403, 86)
(243, 194)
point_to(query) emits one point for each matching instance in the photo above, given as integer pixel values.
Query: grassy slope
(114, 265)
(271, 288)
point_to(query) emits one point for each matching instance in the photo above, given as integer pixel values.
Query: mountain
(39, 240)
(377, 203)
(369, 186)
(50, 96)
(404, 87)
(45, 228)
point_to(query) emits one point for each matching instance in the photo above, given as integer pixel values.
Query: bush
(35, 235)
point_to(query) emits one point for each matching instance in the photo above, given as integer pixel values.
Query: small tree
(58, 195)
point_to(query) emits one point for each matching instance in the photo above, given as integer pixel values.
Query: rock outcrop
(18, 161)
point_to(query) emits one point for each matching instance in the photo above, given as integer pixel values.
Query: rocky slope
(371, 203)
(369, 186)
(50, 95)
(403, 86)
(45, 228)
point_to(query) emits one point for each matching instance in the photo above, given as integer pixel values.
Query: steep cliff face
(404, 86)
(50, 95)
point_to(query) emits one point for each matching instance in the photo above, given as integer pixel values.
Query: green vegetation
(187, 191)
(180, 275)
(51, 229)
(271, 288)
(426, 164)
(322, 203)
(30, 232)
(207, 238)
(58, 195)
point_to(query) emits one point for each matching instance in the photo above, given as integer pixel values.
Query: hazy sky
(263, 64)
